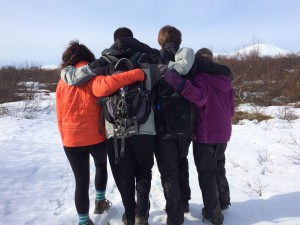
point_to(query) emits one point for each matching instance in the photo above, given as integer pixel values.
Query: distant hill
(49, 67)
(262, 49)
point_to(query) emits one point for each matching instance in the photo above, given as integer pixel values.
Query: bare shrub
(3, 111)
(238, 115)
(264, 157)
(9, 78)
(32, 108)
(239, 165)
(287, 113)
(264, 80)
(257, 186)
(294, 145)
(15, 82)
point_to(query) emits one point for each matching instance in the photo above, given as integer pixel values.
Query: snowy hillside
(49, 67)
(262, 49)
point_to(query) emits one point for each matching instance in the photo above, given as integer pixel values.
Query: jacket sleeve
(184, 60)
(106, 85)
(129, 42)
(58, 110)
(205, 66)
(195, 93)
(77, 76)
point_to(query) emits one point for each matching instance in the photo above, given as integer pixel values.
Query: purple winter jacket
(213, 97)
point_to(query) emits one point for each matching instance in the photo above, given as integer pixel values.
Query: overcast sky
(36, 31)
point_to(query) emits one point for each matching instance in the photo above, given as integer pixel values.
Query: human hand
(175, 80)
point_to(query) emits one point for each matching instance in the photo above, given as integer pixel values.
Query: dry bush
(249, 116)
(261, 81)
(20, 83)
(265, 81)
(9, 78)
(47, 78)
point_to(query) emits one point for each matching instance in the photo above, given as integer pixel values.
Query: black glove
(175, 80)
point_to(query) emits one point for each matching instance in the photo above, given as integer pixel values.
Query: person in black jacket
(171, 155)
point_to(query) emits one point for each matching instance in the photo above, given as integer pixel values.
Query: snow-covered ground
(37, 184)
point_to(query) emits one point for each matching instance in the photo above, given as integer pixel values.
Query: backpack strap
(101, 102)
(116, 148)
(110, 58)
(122, 152)
(136, 125)
(139, 57)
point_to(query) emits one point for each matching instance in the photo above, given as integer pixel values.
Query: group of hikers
(85, 79)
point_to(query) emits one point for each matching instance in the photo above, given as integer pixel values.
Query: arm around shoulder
(106, 85)
(184, 60)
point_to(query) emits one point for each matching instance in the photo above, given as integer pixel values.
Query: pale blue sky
(36, 31)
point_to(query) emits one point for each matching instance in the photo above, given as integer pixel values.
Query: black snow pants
(134, 171)
(210, 163)
(172, 162)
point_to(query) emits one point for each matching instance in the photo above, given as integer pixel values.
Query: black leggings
(79, 158)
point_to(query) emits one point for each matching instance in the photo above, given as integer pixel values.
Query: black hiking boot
(216, 219)
(101, 206)
(126, 221)
(141, 220)
(89, 223)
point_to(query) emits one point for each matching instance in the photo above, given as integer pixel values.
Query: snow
(263, 50)
(37, 184)
(49, 67)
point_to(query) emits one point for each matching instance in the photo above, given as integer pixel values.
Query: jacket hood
(132, 43)
(128, 46)
(218, 82)
(172, 47)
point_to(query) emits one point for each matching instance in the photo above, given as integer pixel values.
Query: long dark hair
(76, 52)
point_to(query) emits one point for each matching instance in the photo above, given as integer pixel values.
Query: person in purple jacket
(213, 96)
